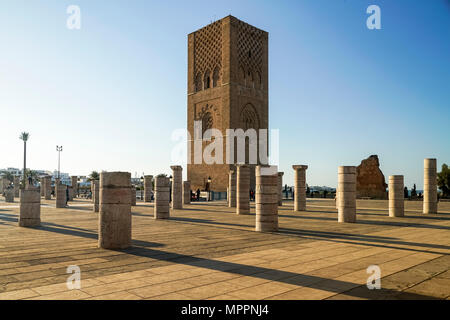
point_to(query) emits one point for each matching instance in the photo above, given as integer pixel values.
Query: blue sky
(112, 92)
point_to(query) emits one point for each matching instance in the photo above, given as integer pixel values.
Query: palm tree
(24, 137)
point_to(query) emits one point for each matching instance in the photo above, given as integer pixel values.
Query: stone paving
(206, 251)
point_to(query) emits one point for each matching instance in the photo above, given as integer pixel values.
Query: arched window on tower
(207, 80)
(198, 82)
(216, 77)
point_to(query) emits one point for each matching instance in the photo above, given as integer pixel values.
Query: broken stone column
(266, 201)
(177, 185)
(396, 196)
(9, 195)
(115, 210)
(232, 189)
(133, 195)
(300, 187)
(61, 197)
(30, 208)
(186, 192)
(430, 186)
(47, 187)
(74, 180)
(346, 198)
(96, 195)
(148, 188)
(16, 186)
(162, 197)
(280, 188)
(243, 189)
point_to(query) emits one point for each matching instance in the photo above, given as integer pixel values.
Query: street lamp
(59, 149)
(209, 188)
(142, 186)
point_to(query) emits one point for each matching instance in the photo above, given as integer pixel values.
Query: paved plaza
(206, 251)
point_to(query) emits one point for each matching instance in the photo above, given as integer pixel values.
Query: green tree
(443, 180)
(24, 137)
(93, 176)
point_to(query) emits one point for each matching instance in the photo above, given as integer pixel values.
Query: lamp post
(209, 188)
(59, 149)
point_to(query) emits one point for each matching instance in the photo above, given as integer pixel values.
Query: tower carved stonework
(227, 89)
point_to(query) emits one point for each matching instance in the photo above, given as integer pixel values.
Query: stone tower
(227, 89)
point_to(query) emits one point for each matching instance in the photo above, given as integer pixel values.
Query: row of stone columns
(244, 187)
(346, 192)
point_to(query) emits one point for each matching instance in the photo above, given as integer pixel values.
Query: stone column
(9, 195)
(2, 184)
(232, 189)
(430, 186)
(47, 187)
(177, 185)
(148, 188)
(280, 188)
(70, 193)
(186, 192)
(243, 189)
(60, 192)
(74, 186)
(300, 187)
(396, 196)
(42, 188)
(96, 195)
(16, 186)
(115, 210)
(266, 201)
(133, 195)
(162, 195)
(346, 198)
(30, 208)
